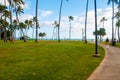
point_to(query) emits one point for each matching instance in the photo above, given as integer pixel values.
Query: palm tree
(15, 26)
(23, 26)
(118, 25)
(18, 10)
(36, 40)
(55, 29)
(70, 19)
(5, 32)
(86, 20)
(60, 19)
(42, 34)
(103, 20)
(33, 22)
(28, 24)
(11, 5)
(113, 1)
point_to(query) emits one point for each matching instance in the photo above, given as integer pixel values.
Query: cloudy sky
(48, 12)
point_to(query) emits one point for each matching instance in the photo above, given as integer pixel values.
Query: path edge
(101, 65)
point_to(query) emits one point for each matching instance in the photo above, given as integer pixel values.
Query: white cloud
(79, 21)
(46, 13)
(24, 17)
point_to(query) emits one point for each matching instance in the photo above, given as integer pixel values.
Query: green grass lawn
(118, 44)
(47, 60)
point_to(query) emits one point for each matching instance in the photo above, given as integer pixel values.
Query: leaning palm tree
(28, 24)
(70, 19)
(86, 20)
(103, 20)
(113, 1)
(59, 21)
(23, 26)
(11, 5)
(18, 11)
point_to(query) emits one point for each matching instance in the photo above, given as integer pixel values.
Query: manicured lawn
(118, 44)
(47, 60)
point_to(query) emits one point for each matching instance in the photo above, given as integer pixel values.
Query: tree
(34, 23)
(118, 25)
(36, 40)
(86, 20)
(103, 20)
(101, 32)
(42, 34)
(18, 10)
(15, 27)
(11, 5)
(2, 9)
(55, 30)
(22, 26)
(28, 24)
(60, 19)
(113, 1)
(70, 19)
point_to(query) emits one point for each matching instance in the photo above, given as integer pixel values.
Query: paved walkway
(109, 69)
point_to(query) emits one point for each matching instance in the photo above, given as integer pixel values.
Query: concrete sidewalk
(109, 69)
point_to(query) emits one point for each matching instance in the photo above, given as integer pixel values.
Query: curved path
(109, 69)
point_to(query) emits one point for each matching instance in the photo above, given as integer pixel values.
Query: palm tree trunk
(59, 21)
(33, 33)
(70, 30)
(20, 27)
(36, 21)
(5, 32)
(11, 30)
(118, 34)
(86, 21)
(113, 23)
(119, 26)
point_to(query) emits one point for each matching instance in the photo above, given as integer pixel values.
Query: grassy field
(47, 60)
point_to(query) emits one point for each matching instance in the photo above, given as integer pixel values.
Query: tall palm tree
(59, 21)
(28, 24)
(33, 22)
(23, 26)
(70, 19)
(5, 32)
(86, 21)
(36, 40)
(118, 25)
(103, 20)
(11, 5)
(55, 30)
(15, 27)
(113, 1)
(18, 10)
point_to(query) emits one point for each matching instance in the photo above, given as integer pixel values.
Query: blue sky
(49, 10)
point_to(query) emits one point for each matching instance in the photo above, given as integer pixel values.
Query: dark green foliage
(8, 35)
(101, 32)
